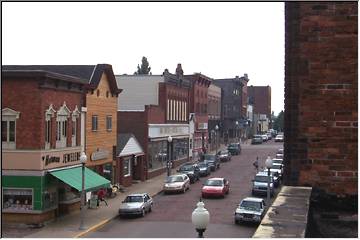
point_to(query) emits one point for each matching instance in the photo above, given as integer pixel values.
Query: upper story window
(49, 114)
(94, 123)
(8, 128)
(109, 123)
(61, 126)
(74, 117)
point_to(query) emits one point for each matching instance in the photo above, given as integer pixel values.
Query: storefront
(160, 149)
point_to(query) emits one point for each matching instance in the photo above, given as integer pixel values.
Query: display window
(17, 199)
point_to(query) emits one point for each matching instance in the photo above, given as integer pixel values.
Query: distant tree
(279, 122)
(144, 69)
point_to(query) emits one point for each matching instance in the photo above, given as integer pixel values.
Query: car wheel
(150, 208)
(143, 212)
(236, 221)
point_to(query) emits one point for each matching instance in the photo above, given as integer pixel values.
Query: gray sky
(220, 40)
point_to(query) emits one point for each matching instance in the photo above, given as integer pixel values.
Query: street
(171, 215)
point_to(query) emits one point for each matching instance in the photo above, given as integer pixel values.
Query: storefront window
(157, 152)
(67, 193)
(107, 170)
(18, 199)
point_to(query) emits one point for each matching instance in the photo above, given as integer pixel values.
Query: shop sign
(67, 157)
(163, 130)
(100, 154)
(202, 126)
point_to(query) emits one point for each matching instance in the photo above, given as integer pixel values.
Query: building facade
(40, 129)
(214, 115)
(198, 108)
(160, 112)
(233, 113)
(260, 98)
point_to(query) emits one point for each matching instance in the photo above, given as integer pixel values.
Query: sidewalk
(68, 226)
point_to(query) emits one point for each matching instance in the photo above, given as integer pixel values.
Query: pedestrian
(101, 196)
(256, 164)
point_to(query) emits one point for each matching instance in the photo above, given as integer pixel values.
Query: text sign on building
(163, 130)
(202, 126)
(100, 154)
(60, 158)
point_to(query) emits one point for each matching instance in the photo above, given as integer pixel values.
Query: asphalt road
(171, 215)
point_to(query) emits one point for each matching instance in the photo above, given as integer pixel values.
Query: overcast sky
(220, 40)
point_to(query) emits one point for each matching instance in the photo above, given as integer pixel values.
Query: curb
(102, 223)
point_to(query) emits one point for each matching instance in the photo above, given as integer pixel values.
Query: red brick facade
(260, 97)
(321, 83)
(25, 96)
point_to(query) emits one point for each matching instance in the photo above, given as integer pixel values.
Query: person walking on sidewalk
(101, 196)
(256, 164)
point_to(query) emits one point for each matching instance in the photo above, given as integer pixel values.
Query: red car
(215, 187)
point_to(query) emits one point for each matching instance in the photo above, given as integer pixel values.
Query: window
(47, 133)
(17, 199)
(109, 123)
(168, 110)
(94, 121)
(127, 162)
(61, 126)
(8, 128)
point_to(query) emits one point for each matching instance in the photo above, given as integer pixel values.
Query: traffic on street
(171, 211)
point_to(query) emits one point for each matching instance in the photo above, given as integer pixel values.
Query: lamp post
(237, 130)
(83, 159)
(169, 153)
(268, 164)
(216, 138)
(200, 217)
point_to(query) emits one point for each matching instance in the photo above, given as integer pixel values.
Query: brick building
(321, 93)
(160, 112)
(198, 107)
(214, 115)
(260, 98)
(41, 138)
(233, 107)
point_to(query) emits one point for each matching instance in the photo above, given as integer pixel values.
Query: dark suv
(191, 170)
(234, 148)
(212, 160)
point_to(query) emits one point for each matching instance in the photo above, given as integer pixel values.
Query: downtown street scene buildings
(61, 123)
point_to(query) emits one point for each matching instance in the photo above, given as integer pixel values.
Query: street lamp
(237, 130)
(268, 164)
(200, 217)
(169, 139)
(216, 138)
(83, 159)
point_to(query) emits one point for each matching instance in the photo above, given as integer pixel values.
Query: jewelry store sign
(100, 154)
(161, 130)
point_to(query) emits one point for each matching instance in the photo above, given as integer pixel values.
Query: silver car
(177, 183)
(277, 167)
(204, 169)
(136, 204)
(260, 184)
(250, 209)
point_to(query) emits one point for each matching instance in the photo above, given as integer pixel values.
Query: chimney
(165, 71)
(179, 71)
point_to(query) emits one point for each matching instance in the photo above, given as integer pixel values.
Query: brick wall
(321, 96)
(261, 96)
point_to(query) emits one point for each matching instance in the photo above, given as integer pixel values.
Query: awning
(73, 177)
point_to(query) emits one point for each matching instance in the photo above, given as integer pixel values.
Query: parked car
(257, 139)
(275, 177)
(234, 148)
(136, 204)
(212, 160)
(215, 187)
(204, 169)
(191, 170)
(177, 183)
(250, 209)
(278, 160)
(260, 184)
(280, 150)
(264, 137)
(269, 136)
(276, 167)
(279, 138)
(224, 155)
(279, 155)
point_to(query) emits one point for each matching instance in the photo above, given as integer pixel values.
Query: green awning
(73, 177)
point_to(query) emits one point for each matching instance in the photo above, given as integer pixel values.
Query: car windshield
(276, 166)
(212, 182)
(172, 179)
(186, 168)
(261, 178)
(202, 165)
(209, 157)
(233, 145)
(223, 152)
(279, 136)
(257, 136)
(249, 205)
(133, 199)
(277, 161)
